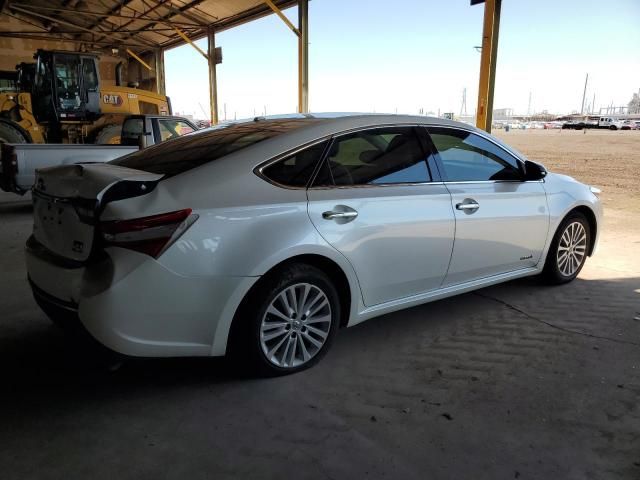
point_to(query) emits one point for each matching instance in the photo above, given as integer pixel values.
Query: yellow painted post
(160, 84)
(282, 16)
(213, 82)
(302, 32)
(142, 62)
(188, 40)
(303, 56)
(488, 60)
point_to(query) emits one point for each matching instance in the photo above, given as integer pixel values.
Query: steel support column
(160, 84)
(303, 56)
(213, 82)
(490, 32)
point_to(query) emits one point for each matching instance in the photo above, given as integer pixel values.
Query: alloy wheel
(572, 249)
(295, 325)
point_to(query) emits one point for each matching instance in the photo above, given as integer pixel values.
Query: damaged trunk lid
(68, 201)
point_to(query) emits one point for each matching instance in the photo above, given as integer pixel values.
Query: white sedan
(261, 239)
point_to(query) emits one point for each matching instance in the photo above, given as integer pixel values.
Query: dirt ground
(609, 160)
(515, 381)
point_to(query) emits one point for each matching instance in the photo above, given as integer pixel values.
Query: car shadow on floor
(36, 358)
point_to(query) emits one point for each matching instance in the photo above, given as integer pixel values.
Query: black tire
(9, 134)
(613, 127)
(109, 135)
(246, 349)
(552, 273)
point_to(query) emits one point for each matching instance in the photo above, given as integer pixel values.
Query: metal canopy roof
(138, 24)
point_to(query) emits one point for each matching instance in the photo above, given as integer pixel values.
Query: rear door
(501, 220)
(376, 202)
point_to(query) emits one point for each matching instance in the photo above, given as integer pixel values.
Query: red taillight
(149, 235)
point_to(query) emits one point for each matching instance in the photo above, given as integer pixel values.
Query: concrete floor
(513, 381)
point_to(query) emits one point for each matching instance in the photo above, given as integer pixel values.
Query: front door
(374, 200)
(501, 221)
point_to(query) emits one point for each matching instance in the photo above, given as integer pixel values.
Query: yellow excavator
(59, 99)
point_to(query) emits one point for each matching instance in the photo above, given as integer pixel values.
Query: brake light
(149, 235)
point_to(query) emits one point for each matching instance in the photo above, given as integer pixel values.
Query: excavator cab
(66, 87)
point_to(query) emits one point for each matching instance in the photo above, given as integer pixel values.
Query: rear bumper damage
(134, 305)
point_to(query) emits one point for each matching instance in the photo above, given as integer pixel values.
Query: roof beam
(103, 15)
(282, 16)
(259, 11)
(101, 34)
(174, 12)
(114, 9)
(183, 11)
(48, 37)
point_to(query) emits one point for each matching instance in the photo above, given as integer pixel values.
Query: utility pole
(463, 107)
(593, 103)
(584, 94)
(529, 107)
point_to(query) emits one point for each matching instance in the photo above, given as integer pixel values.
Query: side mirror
(534, 171)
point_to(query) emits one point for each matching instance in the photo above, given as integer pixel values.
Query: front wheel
(568, 250)
(108, 135)
(289, 321)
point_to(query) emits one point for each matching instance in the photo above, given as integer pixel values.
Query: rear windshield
(184, 153)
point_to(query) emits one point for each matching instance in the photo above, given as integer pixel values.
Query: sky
(412, 56)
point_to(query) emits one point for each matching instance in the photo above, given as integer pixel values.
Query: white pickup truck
(610, 123)
(19, 162)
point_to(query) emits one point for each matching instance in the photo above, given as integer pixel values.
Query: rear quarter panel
(246, 226)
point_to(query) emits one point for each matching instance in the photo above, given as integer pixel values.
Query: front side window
(467, 157)
(296, 169)
(385, 155)
(67, 81)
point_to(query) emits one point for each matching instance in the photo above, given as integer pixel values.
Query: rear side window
(377, 156)
(467, 157)
(296, 169)
(190, 151)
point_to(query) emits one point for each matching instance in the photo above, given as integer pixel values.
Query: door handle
(331, 215)
(468, 205)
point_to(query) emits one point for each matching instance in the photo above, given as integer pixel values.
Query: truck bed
(18, 162)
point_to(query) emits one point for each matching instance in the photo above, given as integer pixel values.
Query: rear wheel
(289, 322)
(9, 134)
(568, 250)
(109, 135)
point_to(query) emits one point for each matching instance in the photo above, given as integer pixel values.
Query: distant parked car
(261, 239)
(630, 125)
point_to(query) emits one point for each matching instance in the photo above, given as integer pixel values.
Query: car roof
(241, 146)
(308, 127)
(347, 120)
